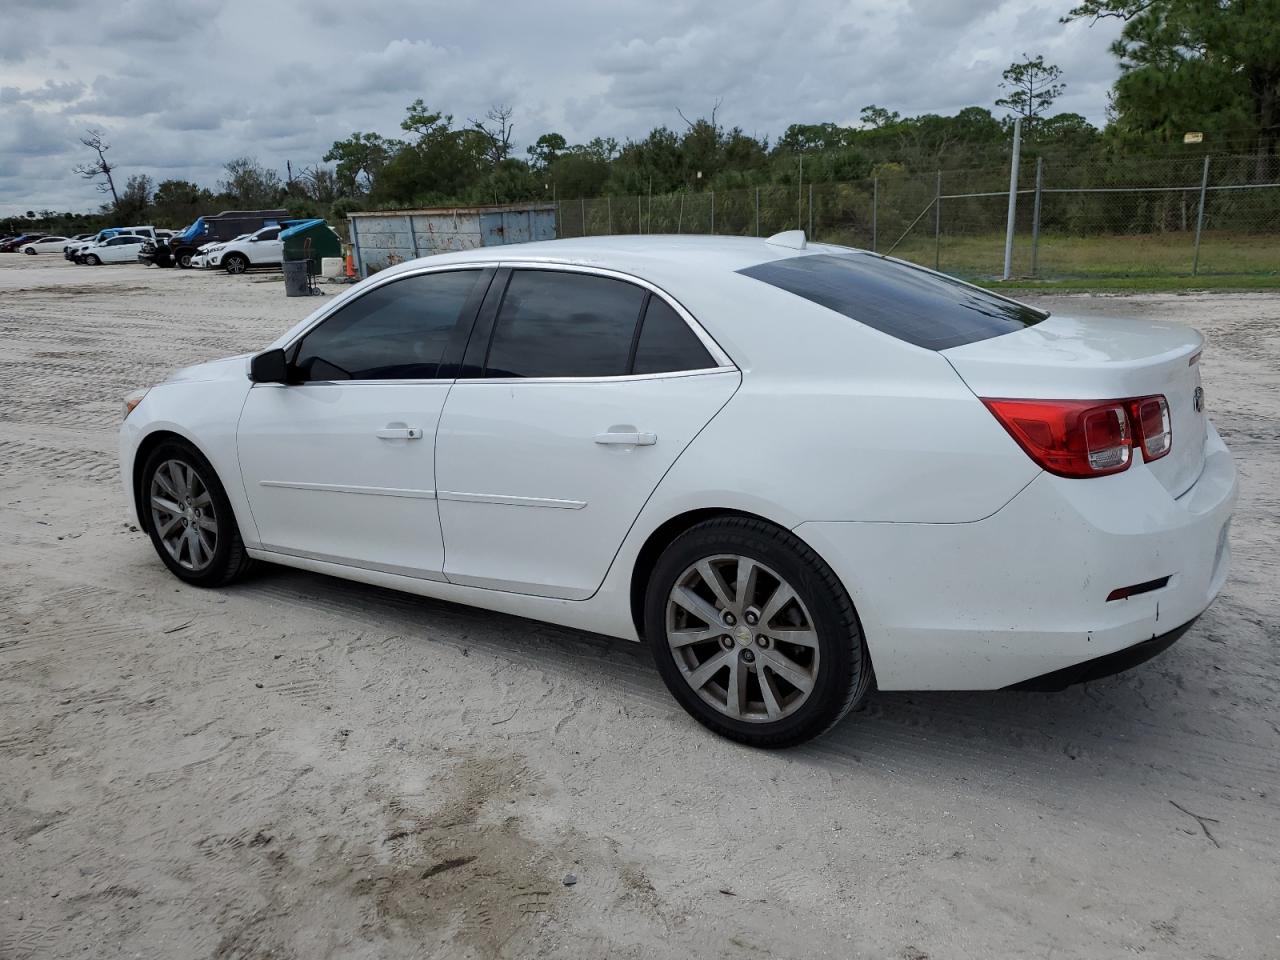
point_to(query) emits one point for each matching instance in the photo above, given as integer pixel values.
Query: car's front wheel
(235, 263)
(189, 517)
(93, 260)
(754, 634)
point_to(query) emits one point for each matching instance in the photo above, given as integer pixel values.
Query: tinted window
(398, 331)
(271, 234)
(564, 325)
(667, 344)
(898, 299)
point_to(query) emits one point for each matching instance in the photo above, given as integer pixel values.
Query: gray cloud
(181, 88)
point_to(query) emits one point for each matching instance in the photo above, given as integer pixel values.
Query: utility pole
(1013, 199)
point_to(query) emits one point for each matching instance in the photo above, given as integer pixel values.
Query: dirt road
(302, 767)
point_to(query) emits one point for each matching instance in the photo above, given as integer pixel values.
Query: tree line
(1185, 65)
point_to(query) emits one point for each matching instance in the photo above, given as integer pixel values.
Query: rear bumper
(1021, 595)
(1105, 666)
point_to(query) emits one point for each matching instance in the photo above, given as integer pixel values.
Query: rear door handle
(399, 433)
(634, 438)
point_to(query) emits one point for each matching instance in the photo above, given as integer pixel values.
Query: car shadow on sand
(1137, 720)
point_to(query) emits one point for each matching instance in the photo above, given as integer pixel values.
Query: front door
(576, 402)
(340, 465)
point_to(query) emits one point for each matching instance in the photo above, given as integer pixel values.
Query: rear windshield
(923, 308)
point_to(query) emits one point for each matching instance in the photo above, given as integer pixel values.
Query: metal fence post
(1035, 220)
(800, 196)
(1013, 198)
(713, 211)
(937, 223)
(639, 214)
(1204, 189)
(757, 211)
(583, 201)
(608, 204)
(875, 211)
(680, 218)
(810, 209)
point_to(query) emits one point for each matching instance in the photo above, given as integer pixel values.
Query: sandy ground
(303, 767)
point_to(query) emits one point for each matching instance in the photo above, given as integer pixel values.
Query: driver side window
(398, 331)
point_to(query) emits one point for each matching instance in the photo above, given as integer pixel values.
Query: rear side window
(666, 344)
(397, 331)
(903, 301)
(564, 325)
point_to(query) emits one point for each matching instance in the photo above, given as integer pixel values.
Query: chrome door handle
(399, 433)
(634, 439)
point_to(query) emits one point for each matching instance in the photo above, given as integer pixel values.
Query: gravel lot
(303, 767)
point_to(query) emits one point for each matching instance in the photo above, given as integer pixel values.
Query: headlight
(133, 399)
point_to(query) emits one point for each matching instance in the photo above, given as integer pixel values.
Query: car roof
(643, 255)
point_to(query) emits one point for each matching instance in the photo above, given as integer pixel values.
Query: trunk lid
(1088, 358)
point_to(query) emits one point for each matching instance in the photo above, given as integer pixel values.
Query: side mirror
(269, 367)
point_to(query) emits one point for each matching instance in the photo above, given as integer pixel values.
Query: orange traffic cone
(351, 267)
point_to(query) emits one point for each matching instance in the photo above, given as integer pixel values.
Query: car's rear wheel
(754, 634)
(184, 259)
(189, 518)
(93, 260)
(235, 263)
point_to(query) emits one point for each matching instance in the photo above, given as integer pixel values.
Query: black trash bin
(297, 282)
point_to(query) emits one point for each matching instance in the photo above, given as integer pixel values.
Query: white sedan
(44, 245)
(795, 470)
(122, 248)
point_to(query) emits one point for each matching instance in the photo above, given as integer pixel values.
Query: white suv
(261, 249)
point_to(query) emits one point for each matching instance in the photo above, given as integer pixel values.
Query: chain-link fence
(1122, 217)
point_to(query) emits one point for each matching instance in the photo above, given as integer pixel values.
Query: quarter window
(666, 344)
(564, 325)
(397, 331)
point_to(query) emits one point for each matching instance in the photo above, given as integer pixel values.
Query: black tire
(235, 263)
(843, 671)
(93, 260)
(229, 561)
(183, 258)
(29, 253)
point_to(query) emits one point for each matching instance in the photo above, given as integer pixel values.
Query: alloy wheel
(183, 515)
(742, 638)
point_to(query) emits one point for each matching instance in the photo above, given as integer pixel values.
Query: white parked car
(44, 245)
(122, 248)
(790, 468)
(201, 258)
(261, 249)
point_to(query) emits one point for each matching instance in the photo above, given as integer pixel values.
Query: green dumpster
(310, 240)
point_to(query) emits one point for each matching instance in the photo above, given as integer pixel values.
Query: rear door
(579, 391)
(340, 465)
(265, 246)
(121, 249)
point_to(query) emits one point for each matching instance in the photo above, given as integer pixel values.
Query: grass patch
(1228, 261)
(1137, 284)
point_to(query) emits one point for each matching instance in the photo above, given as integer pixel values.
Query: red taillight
(1072, 438)
(1086, 438)
(1151, 417)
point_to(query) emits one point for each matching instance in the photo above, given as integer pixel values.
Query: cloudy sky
(179, 88)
